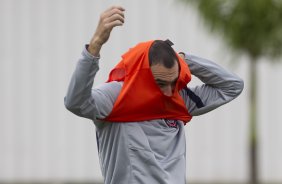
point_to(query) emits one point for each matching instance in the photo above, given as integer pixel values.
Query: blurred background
(41, 41)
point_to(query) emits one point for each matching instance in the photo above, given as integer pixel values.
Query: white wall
(40, 42)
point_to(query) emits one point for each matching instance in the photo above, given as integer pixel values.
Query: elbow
(71, 107)
(67, 104)
(241, 85)
(238, 86)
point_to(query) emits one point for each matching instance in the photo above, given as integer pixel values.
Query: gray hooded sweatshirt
(150, 152)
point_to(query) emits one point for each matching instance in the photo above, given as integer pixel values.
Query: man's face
(165, 78)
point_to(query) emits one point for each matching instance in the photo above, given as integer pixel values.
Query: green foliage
(252, 26)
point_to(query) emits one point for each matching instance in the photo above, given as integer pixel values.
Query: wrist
(94, 47)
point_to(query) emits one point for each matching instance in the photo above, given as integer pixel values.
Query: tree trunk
(253, 144)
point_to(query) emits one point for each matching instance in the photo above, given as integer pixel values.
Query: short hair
(161, 52)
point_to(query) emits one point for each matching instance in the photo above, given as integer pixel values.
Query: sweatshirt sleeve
(85, 101)
(219, 86)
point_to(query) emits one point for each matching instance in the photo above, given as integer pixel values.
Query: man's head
(164, 65)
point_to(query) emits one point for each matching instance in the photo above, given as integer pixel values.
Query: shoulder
(110, 86)
(107, 91)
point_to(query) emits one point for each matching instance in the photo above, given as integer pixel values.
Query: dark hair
(161, 52)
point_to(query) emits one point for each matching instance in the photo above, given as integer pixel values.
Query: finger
(113, 24)
(114, 18)
(116, 7)
(181, 54)
(113, 11)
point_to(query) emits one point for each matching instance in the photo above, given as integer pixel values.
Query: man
(141, 111)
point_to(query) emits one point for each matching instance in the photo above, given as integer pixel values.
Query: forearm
(220, 86)
(78, 95)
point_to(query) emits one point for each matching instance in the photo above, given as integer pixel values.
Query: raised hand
(109, 19)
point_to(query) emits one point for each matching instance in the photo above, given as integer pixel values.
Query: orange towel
(140, 98)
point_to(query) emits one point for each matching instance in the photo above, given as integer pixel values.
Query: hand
(182, 55)
(109, 19)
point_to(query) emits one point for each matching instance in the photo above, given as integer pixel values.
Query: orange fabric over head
(140, 98)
